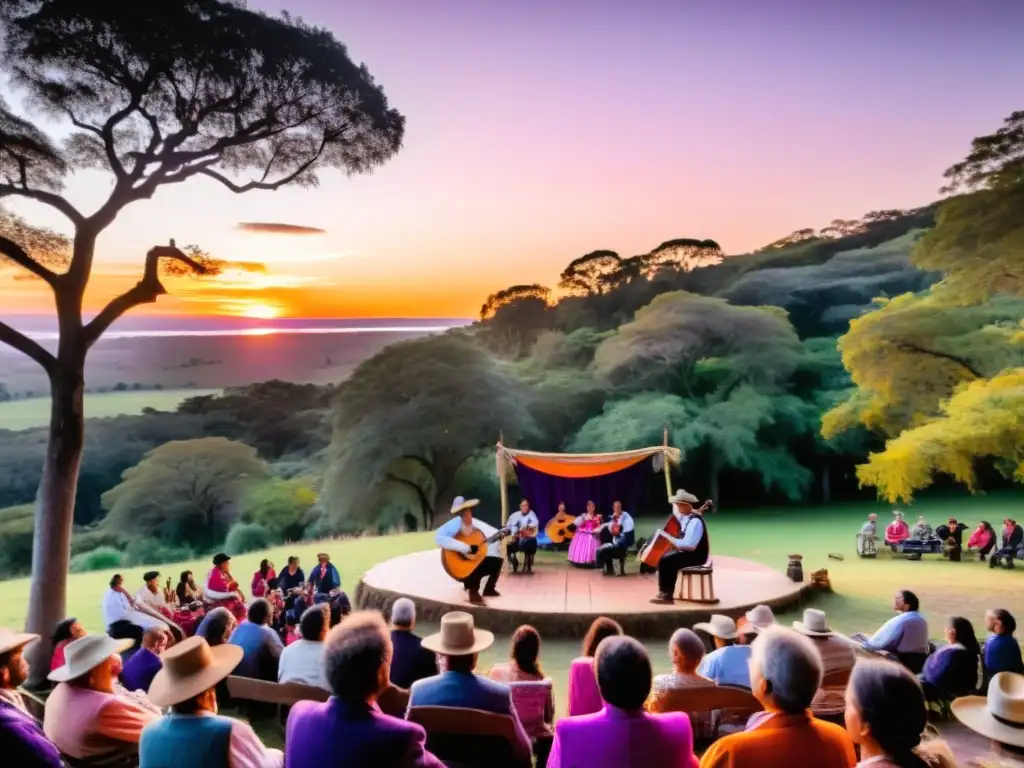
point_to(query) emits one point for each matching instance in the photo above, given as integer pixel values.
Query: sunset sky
(539, 130)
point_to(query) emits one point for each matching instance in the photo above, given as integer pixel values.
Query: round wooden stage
(561, 600)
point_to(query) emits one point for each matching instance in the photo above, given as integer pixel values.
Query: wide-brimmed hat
(758, 618)
(814, 624)
(220, 557)
(460, 503)
(682, 497)
(85, 654)
(10, 640)
(718, 626)
(998, 716)
(458, 636)
(191, 667)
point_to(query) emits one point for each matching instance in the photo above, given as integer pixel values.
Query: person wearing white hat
(692, 547)
(84, 716)
(459, 642)
(193, 733)
(490, 567)
(22, 741)
(999, 716)
(836, 655)
(729, 663)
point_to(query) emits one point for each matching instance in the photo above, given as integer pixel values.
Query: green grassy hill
(35, 411)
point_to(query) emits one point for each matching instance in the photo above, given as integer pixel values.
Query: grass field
(35, 411)
(861, 600)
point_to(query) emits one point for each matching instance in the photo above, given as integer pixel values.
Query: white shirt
(518, 521)
(625, 520)
(445, 536)
(693, 529)
(155, 601)
(117, 608)
(303, 662)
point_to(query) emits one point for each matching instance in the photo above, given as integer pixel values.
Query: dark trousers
(1006, 553)
(670, 565)
(125, 630)
(612, 550)
(489, 568)
(527, 546)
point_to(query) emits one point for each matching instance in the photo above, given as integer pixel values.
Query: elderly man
(411, 661)
(836, 656)
(489, 567)
(785, 674)
(349, 729)
(904, 636)
(692, 548)
(22, 741)
(143, 665)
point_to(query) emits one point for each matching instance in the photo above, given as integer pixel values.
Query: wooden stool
(705, 574)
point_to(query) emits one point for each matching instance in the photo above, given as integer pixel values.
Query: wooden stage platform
(561, 600)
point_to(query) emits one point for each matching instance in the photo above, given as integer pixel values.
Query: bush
(99, 559)
(87, 539)
(16, 532)
(246, 537)
(148, 551)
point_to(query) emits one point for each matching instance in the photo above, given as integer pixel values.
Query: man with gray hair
(410, 662)
(785, 673)
(686, 650)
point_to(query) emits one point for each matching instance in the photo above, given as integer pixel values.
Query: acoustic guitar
(557, 528)
(460, 566)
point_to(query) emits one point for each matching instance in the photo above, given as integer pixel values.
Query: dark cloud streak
(273, 228)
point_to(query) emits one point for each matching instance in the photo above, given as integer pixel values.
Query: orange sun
(259, 311)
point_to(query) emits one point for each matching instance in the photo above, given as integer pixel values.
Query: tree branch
(47, 198)
(426, 509)
(27, 346)
(908, 347)
(146, 291)
(17, 254)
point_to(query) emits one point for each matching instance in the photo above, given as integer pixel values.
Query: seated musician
(897, 531)
(617, 537)
(692, 548)
(524, 525)
(221, 590)
(181, 623)
(490, 567)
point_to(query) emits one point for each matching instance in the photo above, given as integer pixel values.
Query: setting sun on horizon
(259, 311)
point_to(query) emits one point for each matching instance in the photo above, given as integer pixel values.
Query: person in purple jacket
(22, 741)
(349, 729)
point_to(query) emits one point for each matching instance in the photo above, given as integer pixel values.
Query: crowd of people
(157, 705)
(947, 539)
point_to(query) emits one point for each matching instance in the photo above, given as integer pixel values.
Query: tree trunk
(826, 483)
(54, 515)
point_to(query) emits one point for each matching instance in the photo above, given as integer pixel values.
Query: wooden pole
(502, 484)
(668, 472)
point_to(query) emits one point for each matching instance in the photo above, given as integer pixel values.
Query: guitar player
(490, 566)
(617, 537)
(524, 526)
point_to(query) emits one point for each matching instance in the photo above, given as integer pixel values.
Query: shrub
(99, 559)
(87, 539)
(148, 551)
(246, 537)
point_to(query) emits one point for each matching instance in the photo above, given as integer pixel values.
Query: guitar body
(460, 566)
(558, 531)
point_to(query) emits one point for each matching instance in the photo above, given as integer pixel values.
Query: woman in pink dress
(584, 695)
(583, 549)
(222, 590)
(261, 577)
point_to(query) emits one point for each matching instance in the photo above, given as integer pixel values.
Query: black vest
(700, 555)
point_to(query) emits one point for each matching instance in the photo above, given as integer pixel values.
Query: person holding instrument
(616, 538)
(691, 549)
(464, 523)
(524, 525)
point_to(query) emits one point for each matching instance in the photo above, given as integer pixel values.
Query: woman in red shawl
(222, 590)
(897, 531)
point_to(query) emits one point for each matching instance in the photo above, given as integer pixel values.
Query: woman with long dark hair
(953, 669)
(584, 696)
(982, 540)
(536, 714)
(886, 716)
(262, 577)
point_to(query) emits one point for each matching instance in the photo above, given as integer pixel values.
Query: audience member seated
(66, 631)
(584, 697)
(193, 734)
(459, 642)
(952, 670)
(1013, 537)
(303, 661)
(785, 673)
(867, 539)
(983, 540)
(757, 619)
(886, 717)
(524, 667)
(258, 588)
(221, 589)
(84, 716)
(905, 635)
(1002, 651)
(729, 663)
(411, 661)
(142, 667)
(998, 717)
(123, 617)
(622, 733)
(349, 729)
(139, 698)
(291, 628)
(686, 651)
(326, 583)
(180, 622)
(897, 531)
(922, 540)
(217, 627)
(188, 594)
(292, 581)
(22, 741)
(921, 530)
(261, 645)
(836, 656)
(952, 536)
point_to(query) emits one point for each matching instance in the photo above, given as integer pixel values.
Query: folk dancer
(617, 537)
(693, 548)
(867, 539)
(583, 549)
(222, 590)
(490, 567)
(524, 526)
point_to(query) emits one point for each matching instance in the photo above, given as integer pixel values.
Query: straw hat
(11, 640)
(460, 503)
(85, 654)
(719, 626)
(191, 667)
(813, 625)
(682, 497)
(458, 636)
(1000, 715)
(759, 618)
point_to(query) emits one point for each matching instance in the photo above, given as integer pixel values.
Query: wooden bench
(281, 695)
(463, 737)
(737, 703)
(706, 582)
